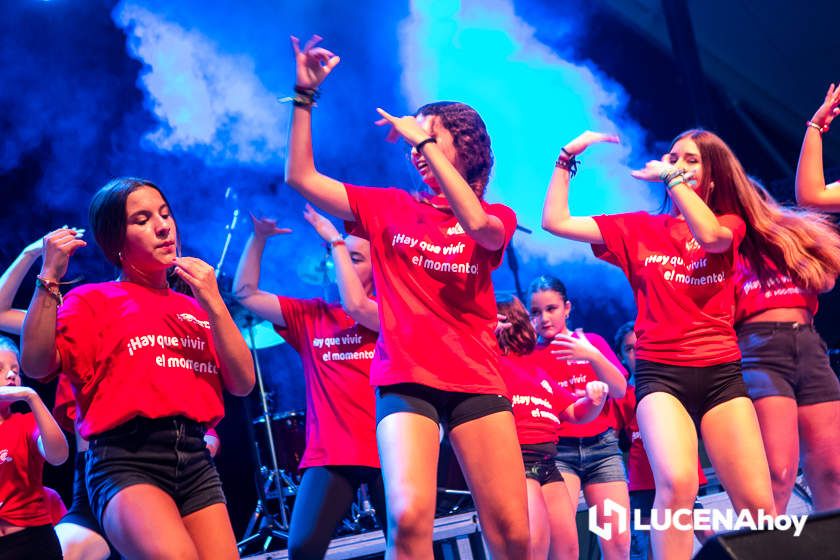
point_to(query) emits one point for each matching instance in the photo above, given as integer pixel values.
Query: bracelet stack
(304, 97)
(673, 177)
(567, 161)
(51, 287)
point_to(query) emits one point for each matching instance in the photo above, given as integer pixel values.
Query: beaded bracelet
(820, 129)
(51, 287)
(567, 161)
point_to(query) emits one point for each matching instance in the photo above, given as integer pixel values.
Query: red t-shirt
(134, 351)
(639, 473)
(685, 295)
(573, 375)
(64, 409)
(22, 498)
(437, 309)
(55, 505)
(538, 400)
(336, 353)
(777, 292)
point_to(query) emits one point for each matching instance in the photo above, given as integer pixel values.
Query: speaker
(820, 540)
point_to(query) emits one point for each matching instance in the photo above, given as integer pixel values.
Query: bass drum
(289, 437)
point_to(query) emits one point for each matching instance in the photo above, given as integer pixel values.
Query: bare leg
(777, 417)
(212, 533)
(818, 429)
(408, 450)
(489, 453)
(80, 543)
(671, 444)
(538, 523)
(733, 441)
(561, 520)
(618, 547)
(142, 510)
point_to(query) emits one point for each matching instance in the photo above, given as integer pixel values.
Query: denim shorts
(450, 409)
(788, 360)
(539, 463)
(594, 459)
(169, 453)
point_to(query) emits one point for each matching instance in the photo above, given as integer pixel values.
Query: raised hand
(14, 393)
(579, 144)
(502, 324)
(829, 109)
(313, 64)
(406, 127)
(267, 227)
(597, 391)
(566, 347)
(36, 248)
(655, 170)
(58, 247)
(325, 228)
(201, 279)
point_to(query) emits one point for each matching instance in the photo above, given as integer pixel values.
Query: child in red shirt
(336, 344)
(540, 407)
(587, 453)
(681, 267)
(148, 366)
(26, 441)
(436, 356)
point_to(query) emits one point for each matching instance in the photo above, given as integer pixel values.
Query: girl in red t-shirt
(335, 343)
(680, 267)
(811, 189)
(436, 358)
(26, 441)
(540, 404)
(587, 454)
(795, 392)
(148, 366)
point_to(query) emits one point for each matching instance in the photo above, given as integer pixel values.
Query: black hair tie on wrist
(420, 145)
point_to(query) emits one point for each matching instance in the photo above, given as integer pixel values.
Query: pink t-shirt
(22, 498)
(538, 400)
(336, 353)
(133, 351)
(437, 308)
(685, 295)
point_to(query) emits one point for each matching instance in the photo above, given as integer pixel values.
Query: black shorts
(539, 462)
(447, 408)
(169, 453)
(699, 389)
(788, 360)
(33, 543)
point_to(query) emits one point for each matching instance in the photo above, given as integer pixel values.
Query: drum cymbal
(264, 335)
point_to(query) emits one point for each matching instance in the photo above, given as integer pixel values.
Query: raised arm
(487, 230)
(712, 236)
(604, 362)
(313, 64)
(589, 406)
(354, 298)
(811, 189)
(38, 353)
(246, 283)
(11, 320)
(52, 445)
(557, 217)
(237, 364)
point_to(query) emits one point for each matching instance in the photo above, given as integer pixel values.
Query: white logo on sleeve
(4, 456)
(188, 318)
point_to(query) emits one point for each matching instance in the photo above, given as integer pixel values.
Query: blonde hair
(803, 244)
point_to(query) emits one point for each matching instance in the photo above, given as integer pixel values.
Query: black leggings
(323, 499)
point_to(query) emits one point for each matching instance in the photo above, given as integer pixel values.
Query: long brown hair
(802, 244)
(519, 338)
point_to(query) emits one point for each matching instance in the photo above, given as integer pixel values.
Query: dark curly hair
(470, 138)
(520, 338)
